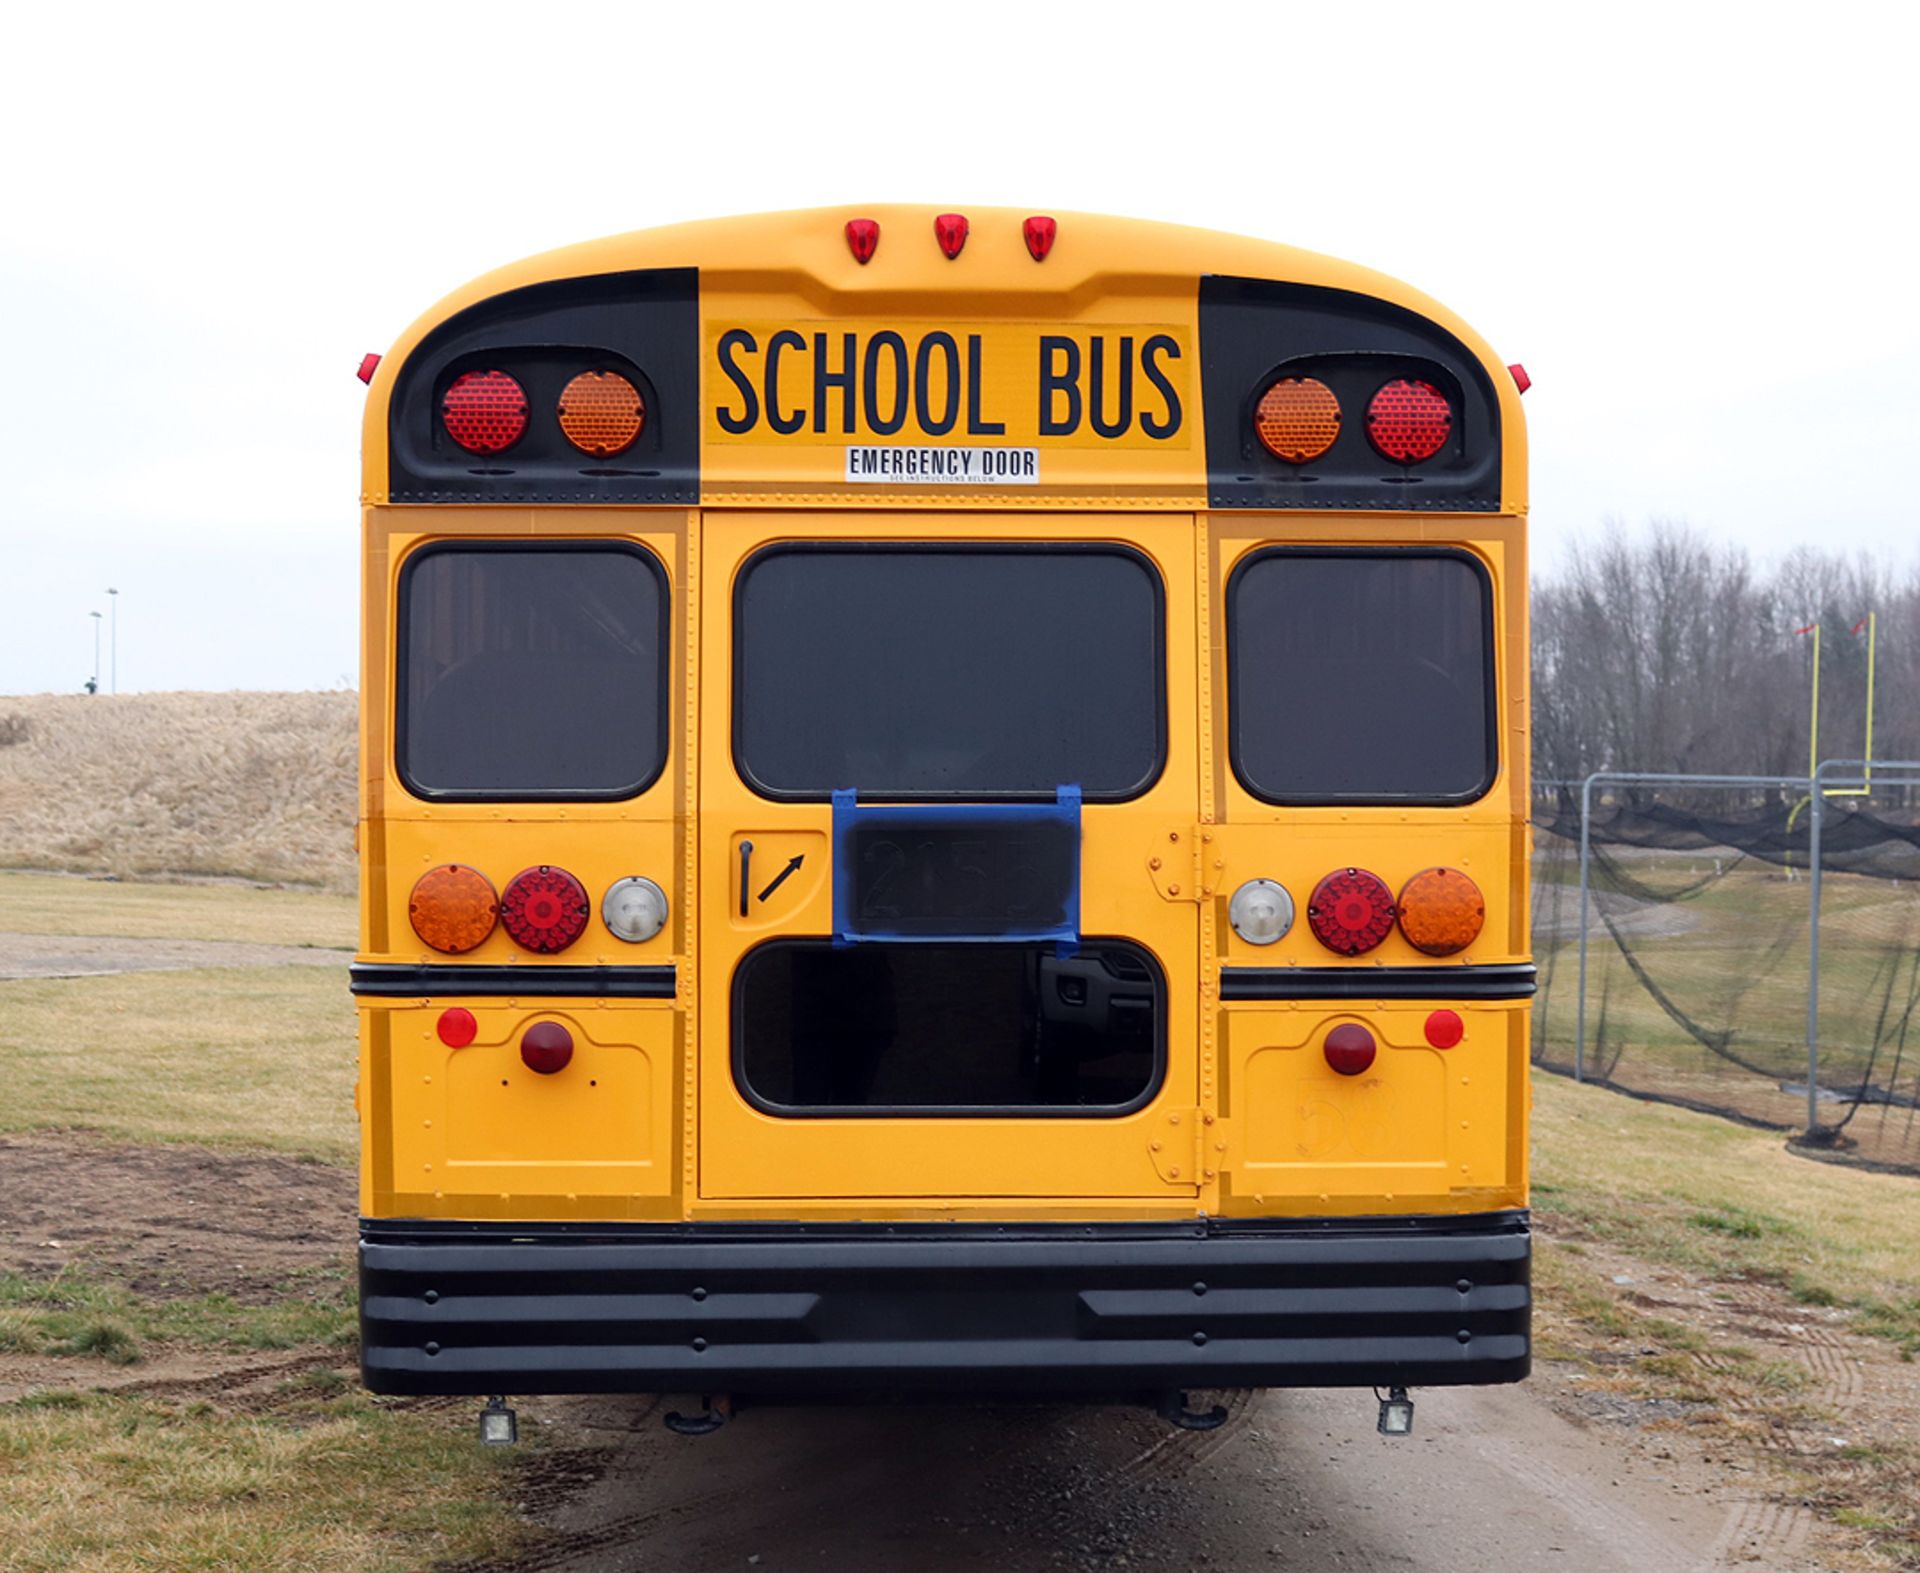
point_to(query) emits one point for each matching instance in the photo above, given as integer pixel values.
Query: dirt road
(1494, 1480)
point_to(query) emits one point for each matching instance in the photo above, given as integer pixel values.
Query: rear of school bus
(943, 809)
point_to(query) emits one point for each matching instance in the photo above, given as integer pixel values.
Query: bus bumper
(1106, 1309)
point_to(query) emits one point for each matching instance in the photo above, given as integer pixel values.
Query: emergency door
(939, 757)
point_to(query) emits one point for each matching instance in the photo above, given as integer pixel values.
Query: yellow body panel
(648, 1124)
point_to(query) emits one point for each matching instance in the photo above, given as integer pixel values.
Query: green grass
(1727, 1202)
(259, 1057)
(57, 904)
(321, 1479)
(81, 1313)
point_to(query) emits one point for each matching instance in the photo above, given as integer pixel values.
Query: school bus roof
(803, 258)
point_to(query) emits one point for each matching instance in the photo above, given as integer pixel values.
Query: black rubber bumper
(943, 1308)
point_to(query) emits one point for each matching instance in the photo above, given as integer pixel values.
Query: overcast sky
(1693, 224)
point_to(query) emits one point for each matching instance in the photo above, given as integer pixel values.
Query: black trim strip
(404, 980)
(1509, 981)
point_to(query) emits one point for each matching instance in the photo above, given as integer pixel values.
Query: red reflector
(1350, 911)
(544, 909)
(950, 229)
(485, 411)
(1520, 378)
(1445, 1028)
(546, 1047)
(863, 239)
(1039, 232)
(456, 1027)
(1409, 420)
(1349, 1048)
(369, 364)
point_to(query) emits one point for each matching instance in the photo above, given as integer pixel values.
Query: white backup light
(1261, 911)
(635, 909)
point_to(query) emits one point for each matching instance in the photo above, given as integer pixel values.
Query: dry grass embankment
(241, 785)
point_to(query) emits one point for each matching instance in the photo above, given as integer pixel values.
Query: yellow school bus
(943, 810)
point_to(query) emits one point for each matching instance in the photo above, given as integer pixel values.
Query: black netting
(1698, 956)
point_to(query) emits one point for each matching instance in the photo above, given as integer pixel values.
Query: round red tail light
(1349, 1048)
(1409, 420)
(1298, 419)
(545, 909)
(485, 411)
(602, 413)
(546, 1047)
(1350, 911)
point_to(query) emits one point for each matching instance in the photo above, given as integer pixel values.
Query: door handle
(746, 875)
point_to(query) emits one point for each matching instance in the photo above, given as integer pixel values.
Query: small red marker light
(1445, 1028)
(369, 364)
(456, 1027)
(863, 239)
(950, 229)
(1349, 1048)
(1039, 232)
(1520, 378)
(546, 1047)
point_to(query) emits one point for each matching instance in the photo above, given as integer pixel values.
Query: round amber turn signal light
(1298, 419)
(453, 907)
(1441, 911)
(602, 413)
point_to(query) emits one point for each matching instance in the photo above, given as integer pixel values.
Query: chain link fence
(1698, 958)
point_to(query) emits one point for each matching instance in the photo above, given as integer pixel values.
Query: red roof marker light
(863, 239)
(369, 364)
(950, 229)
(1039, 233)
(1520, 378)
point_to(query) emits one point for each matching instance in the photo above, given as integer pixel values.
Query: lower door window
(877, 1029)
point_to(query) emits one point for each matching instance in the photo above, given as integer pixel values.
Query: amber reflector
(602, 413)
(485, 411)
(545, 909)
(1298, 419)
(1441, 911)
(1350, 911)
(453, 907)
(1409, 420)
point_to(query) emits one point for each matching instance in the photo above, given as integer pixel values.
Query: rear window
(1361, 676)
(930, 671)
(531, 672)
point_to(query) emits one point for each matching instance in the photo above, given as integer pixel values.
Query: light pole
(96, 653)
(113, 642)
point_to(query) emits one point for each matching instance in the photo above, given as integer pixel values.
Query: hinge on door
(1188, 1146)
(1183, 866)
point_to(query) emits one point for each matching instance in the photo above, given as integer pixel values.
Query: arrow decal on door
(785, 874)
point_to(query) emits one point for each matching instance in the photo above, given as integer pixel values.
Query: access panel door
(938, 754)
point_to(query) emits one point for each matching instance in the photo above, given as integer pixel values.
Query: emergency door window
(531, 672)
(948, 672)
(1361, 676)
